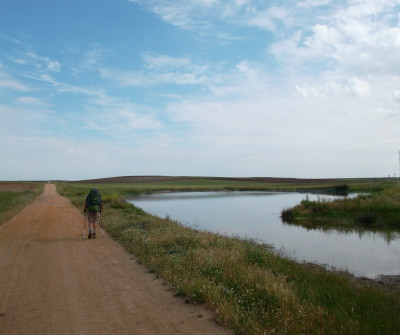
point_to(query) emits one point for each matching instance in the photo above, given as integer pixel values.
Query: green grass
(197, 184)
(252, 288)
(13, 202)
(180, 185)
(375, 211)
(187, 186)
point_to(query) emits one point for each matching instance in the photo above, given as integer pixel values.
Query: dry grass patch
(15, 196)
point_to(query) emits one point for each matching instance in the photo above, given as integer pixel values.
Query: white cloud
(268, 19)
(62, 87)
(149, 79)
(177, 13)
(54, 66)
(57, 160)
(91, 58)
(208, 16)
(73, 159)
(359, 39)
(323, 41)
(248, 114)
(158, 70)
(157, 61)
(125, 78)
(43, 63)
(351, 87)
(18, 61)
(334, 82)
(305, 91)
(359, 9)
(313, 3)
(396, 95)
(379, 114)
(359, 87)
(8, 82)
(117, 116)
(23, 120)
(133, 120)
(30, 101)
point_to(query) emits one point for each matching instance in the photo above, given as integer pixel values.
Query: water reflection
(386, 235)
(256, 215)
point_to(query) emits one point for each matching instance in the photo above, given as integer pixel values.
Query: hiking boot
(90, 235)
(94, 235)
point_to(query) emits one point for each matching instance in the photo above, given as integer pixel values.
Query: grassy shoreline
(252, 288)
(378, 210)
(16, 196)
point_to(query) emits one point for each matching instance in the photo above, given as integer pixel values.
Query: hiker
(93, 209)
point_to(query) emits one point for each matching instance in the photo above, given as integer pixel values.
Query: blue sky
(103, 88)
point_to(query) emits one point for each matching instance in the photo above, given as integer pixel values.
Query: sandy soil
(54, 282)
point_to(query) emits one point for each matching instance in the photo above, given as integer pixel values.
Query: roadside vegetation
(15, 196)
(252, 287)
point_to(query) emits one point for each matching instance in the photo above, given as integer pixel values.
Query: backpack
(93, 200)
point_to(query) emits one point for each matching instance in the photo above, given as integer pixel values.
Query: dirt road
(53, 282)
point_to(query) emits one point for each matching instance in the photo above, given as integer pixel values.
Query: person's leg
(90, 222)
(97, 218)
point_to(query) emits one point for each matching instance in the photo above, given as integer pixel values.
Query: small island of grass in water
(372, 211)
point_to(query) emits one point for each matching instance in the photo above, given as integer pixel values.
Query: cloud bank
(239, 88)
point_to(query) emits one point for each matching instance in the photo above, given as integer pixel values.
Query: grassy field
(252, 288)
(15, 196)
(130, 185)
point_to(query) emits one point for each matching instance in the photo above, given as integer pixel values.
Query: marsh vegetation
(375, 211)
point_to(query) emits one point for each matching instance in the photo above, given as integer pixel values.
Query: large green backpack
(93, 200)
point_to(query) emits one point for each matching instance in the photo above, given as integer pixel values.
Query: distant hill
(144, 179)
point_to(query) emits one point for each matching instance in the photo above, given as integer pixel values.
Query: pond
(256, 215)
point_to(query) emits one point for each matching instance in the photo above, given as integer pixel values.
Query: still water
(256, 215)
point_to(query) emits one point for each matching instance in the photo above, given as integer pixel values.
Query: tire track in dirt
(53, 282)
